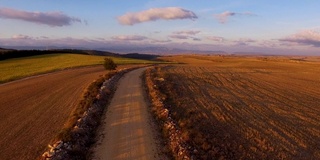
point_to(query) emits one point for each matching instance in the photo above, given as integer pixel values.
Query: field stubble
(245, 108)
(34, 110)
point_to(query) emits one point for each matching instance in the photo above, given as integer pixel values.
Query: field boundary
(19, 68)
(45, 74)
(175, 146)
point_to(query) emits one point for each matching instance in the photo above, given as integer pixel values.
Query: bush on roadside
(109, 64)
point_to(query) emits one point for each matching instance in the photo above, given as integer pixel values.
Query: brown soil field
(33, 110)
(245, 107)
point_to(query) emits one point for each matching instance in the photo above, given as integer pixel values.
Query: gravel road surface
(127, 131)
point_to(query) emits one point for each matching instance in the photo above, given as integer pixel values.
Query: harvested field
(245, 107)
(33, 110)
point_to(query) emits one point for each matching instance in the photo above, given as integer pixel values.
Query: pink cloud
(184, 36)
(223, 17)
(269, 43)
(54, 19)
(307, 37)
(153, 14)
(190, 32)
(244, 41)
(20, 36)
(216, 39)
(160, 41)
(147, 46)
(129, 38)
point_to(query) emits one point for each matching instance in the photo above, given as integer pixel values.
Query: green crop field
(17, 68)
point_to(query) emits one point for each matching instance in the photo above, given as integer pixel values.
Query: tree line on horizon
(11, 53)
(8, 54)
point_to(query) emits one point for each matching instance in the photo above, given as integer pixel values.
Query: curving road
(126, 132)
(33, 110)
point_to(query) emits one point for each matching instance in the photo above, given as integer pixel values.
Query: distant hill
(5, 50)
(141, 56)
(161, 50)
(8, 53)
(101, 53)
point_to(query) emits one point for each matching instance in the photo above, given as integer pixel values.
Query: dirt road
(127, 132)
(33, 110)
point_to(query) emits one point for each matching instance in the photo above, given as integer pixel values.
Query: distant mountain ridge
(157, 50)
(10, 53)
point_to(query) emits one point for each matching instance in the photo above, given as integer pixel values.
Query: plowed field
(33, 110)
(245, 108)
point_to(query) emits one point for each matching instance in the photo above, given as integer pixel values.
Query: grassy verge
(17, 68)
(174, 146)
(88, 98)
(77, 134)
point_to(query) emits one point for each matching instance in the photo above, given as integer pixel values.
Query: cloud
(153, 14)
(307, 37)
(129, 38)
(190, 32)
(187, 34)
(223, 17)
(184, 36)
(43, 41)
(244, 41)
(147, 46)
(239, 42)
(196, 39)
(160, 41)
(20, 36)
(216, 39)
(179, 36)
(43, 37)
(53, 19)
(269, 43)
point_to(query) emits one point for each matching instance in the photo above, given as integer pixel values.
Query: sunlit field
(245, 107)
(17, 68)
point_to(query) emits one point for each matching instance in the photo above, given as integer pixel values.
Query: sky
(253, 26)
